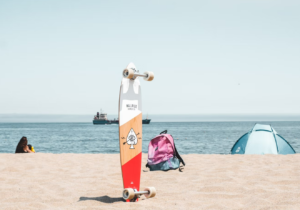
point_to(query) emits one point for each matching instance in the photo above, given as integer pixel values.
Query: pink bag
(161, 148)
(162, 153)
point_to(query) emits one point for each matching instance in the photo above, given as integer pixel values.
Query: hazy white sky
(208, 57)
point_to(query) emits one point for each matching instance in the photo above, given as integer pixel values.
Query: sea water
(190, 137)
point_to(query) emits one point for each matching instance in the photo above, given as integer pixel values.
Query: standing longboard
(130, 133)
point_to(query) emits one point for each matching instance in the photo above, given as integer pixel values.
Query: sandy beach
(94, 181)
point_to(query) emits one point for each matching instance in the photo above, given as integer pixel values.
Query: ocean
(190, 137)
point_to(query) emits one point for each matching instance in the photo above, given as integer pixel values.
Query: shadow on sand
(103, 199)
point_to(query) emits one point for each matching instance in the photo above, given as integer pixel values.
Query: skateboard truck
(129, 193)
(133, 73)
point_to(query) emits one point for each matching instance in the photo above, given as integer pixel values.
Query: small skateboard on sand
(130, 133)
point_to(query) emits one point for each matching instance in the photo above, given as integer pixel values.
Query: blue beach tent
(262, 139)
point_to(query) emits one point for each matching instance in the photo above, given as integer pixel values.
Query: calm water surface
(190, 137)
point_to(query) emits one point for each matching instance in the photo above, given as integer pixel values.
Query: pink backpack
(162, 153)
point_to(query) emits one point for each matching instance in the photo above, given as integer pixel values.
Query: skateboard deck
(130, 130)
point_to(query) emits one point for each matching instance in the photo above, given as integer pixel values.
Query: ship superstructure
(101, 118)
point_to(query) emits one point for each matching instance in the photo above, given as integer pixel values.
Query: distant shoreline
(47, 118)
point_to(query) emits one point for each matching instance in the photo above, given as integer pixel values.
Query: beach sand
(94, 181)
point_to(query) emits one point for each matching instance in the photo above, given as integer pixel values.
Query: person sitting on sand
(22, 146)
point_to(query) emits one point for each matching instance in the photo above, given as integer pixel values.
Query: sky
(208, 57)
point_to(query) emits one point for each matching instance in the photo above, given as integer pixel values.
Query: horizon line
(163, 114)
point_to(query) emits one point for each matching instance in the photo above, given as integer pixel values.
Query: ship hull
(101, 122)
(146, 121)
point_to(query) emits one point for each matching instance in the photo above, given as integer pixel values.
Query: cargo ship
(101, 119)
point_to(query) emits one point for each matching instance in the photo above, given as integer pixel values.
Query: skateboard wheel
(150, 76)
(128, 193)
(152, 192)
(128, 73)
